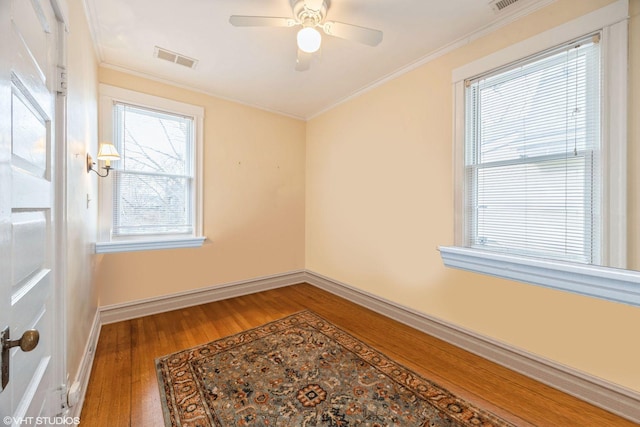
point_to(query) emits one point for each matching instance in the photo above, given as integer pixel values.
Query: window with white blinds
(153, 185)
(152, 199)
(532, 156)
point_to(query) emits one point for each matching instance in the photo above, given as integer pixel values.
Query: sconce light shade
(107, 152)
(309, 39)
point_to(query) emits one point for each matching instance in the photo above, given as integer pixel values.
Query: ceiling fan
(310, 15)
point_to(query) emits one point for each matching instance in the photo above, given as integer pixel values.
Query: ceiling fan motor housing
(309, 13)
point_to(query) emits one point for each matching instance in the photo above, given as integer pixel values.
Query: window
(151, 200)
(153, 186)
(532, 156)
(540, 159)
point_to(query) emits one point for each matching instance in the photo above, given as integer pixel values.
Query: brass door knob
(29, 340)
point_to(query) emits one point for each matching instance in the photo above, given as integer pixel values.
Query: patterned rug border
(437, 396)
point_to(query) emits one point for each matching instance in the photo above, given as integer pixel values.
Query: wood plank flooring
(123, 389)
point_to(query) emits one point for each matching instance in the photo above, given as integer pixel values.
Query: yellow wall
(366, 202)
(253, 203)
(379, 184)
(82, 135)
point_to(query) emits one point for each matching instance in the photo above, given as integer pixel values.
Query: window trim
(105, 243)
(612, 284)
(612, 21)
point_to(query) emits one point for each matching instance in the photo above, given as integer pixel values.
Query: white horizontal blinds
(532, 156)
(153, 187)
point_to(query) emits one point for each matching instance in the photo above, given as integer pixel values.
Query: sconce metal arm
(90, 164)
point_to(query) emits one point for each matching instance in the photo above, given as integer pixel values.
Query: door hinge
(61, 393)
(61, 80)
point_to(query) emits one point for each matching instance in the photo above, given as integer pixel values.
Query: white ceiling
(255, 66)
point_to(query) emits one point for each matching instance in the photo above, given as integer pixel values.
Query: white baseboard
(86, 364)
(598, 392)
(131, 310)
(601, 393)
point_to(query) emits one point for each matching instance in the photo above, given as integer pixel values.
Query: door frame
(59, 351)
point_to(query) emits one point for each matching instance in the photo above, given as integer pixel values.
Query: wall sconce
(107, 152)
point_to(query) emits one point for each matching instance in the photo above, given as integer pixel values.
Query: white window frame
(612, 284)
(109, 95)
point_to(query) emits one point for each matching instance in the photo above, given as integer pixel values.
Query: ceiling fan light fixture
(309, 40)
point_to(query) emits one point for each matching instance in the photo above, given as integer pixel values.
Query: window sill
(148, 245)
(602, 282)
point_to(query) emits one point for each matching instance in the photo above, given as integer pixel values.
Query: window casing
(152, 198)
(615, 284)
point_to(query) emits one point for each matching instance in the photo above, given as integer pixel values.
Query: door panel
(37, 364)
(29, 302)
(29, 242)
(38, 189)
(33, 75)
(26, 18)
(29, 145)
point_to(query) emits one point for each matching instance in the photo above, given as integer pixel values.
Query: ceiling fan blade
(368, 36)
(303, 61)
(261, 21)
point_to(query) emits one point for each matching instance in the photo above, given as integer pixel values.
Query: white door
(28, 55)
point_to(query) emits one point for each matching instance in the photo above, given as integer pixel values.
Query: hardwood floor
(123, 389)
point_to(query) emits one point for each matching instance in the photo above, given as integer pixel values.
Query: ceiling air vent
(499, 5)
(174, 57)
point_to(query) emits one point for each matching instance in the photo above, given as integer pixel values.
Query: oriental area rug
(303, 371)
